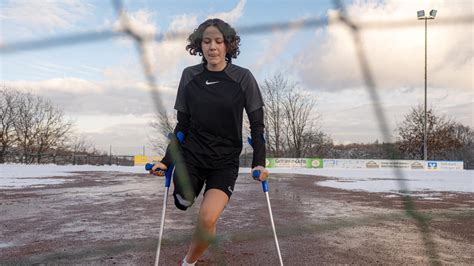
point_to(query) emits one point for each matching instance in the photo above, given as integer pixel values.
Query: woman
(210, 102)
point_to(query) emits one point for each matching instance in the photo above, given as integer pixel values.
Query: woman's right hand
(158, 169)
(263, 173)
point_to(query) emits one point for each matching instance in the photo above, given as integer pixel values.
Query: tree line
(293, 129)
(32, 127)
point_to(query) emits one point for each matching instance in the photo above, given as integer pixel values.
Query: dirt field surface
(113, 218)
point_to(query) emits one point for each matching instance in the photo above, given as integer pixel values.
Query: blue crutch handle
(149, 166)
(168, 173)
(256, 175)
(180, 136)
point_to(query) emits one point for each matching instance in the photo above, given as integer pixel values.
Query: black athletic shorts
(187, 186)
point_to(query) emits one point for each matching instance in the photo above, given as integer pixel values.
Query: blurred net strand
(104, 34)
(63, 40)
(176, 156)
(408, 204)
(146, 64)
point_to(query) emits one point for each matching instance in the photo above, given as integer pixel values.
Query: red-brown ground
(113, 218)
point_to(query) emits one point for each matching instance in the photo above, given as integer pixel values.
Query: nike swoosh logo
(211, 82)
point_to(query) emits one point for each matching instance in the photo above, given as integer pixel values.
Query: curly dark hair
(231, 39)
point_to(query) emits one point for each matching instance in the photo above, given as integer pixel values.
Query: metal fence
(73, 159)
(86, 159)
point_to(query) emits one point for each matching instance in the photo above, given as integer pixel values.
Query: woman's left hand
(263, 173)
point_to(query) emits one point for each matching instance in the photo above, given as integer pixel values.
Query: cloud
(168, 57)
(182, 23)
(231, 16)
(349, 116)
(163, 57)
(109, 97)
(170, 54)
(275, 46)
(73, 86)
(45, 15)
(125, 138)
(141, 22)
(396, 56)
(123, 89)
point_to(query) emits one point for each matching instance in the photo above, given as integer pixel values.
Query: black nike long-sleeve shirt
(210, 110)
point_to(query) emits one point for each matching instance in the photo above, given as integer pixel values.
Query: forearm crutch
(256, 175)
(168, 174)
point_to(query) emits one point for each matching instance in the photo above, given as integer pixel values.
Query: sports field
(112, 217)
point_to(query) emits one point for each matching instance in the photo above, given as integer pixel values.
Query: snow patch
(14, 176)
(386, 180)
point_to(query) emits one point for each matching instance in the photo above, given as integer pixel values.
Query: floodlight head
(433, 13)
(420, 14)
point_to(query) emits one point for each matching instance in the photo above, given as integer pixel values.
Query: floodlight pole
(425, 126)
(425, 132)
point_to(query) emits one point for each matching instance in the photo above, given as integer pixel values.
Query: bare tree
(8, 115)
(292, 125)
(273, 91)
(316, 143)
(39, 126)
(25, 129)
(52, 128)
(163, 125)
(298, 107)
(373, 150)
(79, 144)
(441, 132)
(466, 135)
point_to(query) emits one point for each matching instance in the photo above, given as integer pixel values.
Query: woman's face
(214, 48)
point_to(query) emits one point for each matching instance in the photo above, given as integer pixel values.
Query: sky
(101, 85)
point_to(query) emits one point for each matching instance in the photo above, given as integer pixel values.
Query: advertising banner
(314, 163)
(348, 163)
(294, 163)
(372, 164)
(392, 164)
(444, 165)
(142, 160)
(363, 164)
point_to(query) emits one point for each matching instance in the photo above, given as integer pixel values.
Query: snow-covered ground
(387, 180)
(14, 176)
